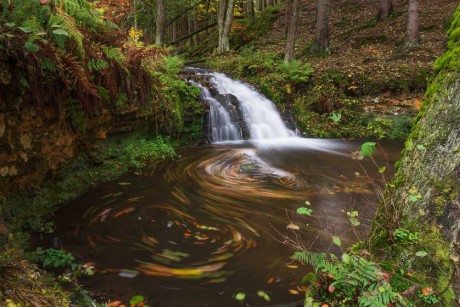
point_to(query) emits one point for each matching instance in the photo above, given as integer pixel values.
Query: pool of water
(220, 220)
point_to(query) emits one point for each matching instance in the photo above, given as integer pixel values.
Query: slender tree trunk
(321, 43)
(287, 15)
(385, 9)
(160, 25)
(259, 5)
(413, 35)
(292, 33)
(251, 11)
(225, 24)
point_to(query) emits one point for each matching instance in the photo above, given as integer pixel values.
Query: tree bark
(413, 35)
(321, 43)
(292, 32)
(251, 10)
(225, 22)
(160, 24)
(424, 195)
(385, 9)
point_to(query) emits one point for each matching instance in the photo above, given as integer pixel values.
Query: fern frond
(66, 22)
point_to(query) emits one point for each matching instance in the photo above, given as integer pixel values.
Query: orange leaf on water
(293, 291)
(270, 280)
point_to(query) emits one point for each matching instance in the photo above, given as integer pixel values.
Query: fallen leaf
(240, 296)
(293, 291)
(426, 291)
(292, 226)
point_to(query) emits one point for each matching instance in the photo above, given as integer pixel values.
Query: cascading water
(259, 113)
(237, 112)
(221, 126)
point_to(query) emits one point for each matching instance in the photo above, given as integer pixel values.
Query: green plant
(349, 281)
(56, 258)
(429, 298)
(403, 235)
(148, 153)
(296, 71)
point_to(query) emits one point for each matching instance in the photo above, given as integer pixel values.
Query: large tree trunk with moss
(292, 31)
(424, 196)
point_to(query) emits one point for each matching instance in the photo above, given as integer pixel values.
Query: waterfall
(238, 111)
(221, 126)
(259, 113)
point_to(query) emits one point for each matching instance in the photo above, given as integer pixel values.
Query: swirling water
(212, 223)
(220, 219)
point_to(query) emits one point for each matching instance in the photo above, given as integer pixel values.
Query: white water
(259, 113)
(267, 130)
(220, 124)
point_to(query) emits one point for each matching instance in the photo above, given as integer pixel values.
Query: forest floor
(362, 48)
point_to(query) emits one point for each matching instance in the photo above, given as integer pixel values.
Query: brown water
(214, 222)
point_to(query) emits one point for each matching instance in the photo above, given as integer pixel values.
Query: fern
(83, 12)
(74, 112)
(97, 64)
(66, 22)
(48, 64)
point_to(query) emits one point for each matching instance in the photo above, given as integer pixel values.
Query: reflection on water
(211, 224)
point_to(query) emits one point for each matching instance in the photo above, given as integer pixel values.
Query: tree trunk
(292, 32)
(413, 23)
(321, 43)
(225, 24)
(251, 11)
(385, 9)
(424, 196)
(287, 15)
(160, 24)
(260, 5)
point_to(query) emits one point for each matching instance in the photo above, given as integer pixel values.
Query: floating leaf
(124, 183)
(421, 254)
(304, 211)
(292, 226)
(353, 214)
(354, 221)
(136, 300)
(128, 273)
(270, 280)
(382, 169)
(240, 296)
(263, 295)
(293, 291)
(367, 149)
(336, 240)
(307, 203)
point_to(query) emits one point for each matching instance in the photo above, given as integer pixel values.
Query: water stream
(219, 220)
